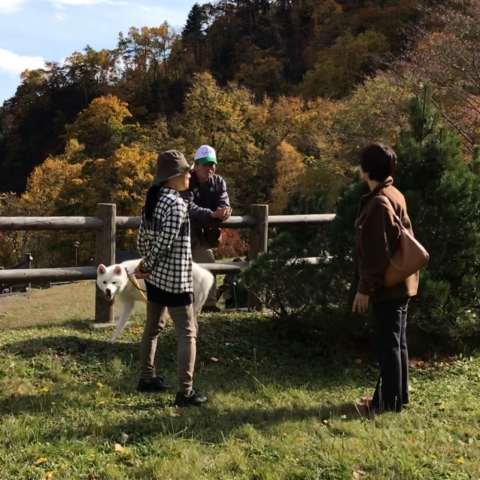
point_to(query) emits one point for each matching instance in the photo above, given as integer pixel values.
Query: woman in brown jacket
(377, 236)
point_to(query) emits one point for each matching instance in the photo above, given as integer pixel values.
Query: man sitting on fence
(208, 199)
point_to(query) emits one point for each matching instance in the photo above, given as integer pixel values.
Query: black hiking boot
(195, 399)
(155, 385)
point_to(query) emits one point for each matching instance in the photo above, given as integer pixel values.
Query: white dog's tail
(203, 281)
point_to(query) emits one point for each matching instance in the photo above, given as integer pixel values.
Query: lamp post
(75, 246)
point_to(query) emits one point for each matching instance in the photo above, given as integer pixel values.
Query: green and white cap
(205, 154)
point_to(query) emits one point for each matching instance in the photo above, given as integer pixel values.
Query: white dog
(114, 281)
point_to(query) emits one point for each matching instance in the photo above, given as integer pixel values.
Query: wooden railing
(106, 224)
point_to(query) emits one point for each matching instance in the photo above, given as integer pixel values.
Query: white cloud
(151, 9)
(60, 3)
(15, 64)
(10, 5)
(60, 16)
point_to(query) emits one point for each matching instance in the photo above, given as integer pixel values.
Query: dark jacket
(202, 201)
(377, 235)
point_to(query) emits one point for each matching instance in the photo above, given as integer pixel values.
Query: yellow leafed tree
(123, 178)
(44, 188)
(48, 179)
(74, 182)
(100, 128)
(290, 167)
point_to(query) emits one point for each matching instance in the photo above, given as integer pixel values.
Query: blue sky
(32, 31)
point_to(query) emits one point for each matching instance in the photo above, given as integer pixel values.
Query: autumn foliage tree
(444, 54)
(220, 117)
(47, 181)
(290, 167)
(345, 64)
(74, 182)
(305, 49)
(287, 94)
(100, 128)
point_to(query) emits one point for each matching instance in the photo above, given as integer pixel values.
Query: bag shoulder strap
(395, 216)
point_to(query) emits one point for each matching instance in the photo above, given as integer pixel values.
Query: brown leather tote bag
(409, 257)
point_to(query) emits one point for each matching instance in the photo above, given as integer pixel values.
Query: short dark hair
(379, 161)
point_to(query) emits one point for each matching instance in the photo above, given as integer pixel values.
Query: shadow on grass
(153, 416)
(218, 334)
(70, 348)
(210, 425)
(244, 347)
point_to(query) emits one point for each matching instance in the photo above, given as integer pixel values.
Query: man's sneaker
(211, 309)
(194, 399)
(155, 385)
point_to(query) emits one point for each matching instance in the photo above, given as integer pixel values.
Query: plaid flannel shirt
(164, 244)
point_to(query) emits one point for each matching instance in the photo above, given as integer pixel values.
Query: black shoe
(156, 384)
(194, 399)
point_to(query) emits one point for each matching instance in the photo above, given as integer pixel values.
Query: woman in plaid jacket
(164, 243)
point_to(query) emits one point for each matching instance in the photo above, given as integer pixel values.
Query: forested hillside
(304, 48)
(286, 92)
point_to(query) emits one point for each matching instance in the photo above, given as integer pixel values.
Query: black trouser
(389, 331)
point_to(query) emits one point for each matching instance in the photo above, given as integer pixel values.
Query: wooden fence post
(105, 253)
(258, 244)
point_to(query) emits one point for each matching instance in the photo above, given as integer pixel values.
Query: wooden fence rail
(133, 223)
(106, 223)
(44, 275)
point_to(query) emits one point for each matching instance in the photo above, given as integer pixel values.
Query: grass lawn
(277, 409)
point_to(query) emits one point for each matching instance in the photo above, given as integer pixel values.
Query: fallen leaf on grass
(205, 361)
(358, 361)
(40, 461)
(460, 460)
(358, 474)
(119, 448)
(48, 474)
(22, 389)
(440, 406)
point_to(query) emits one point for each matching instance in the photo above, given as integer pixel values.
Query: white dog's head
(111, 280)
